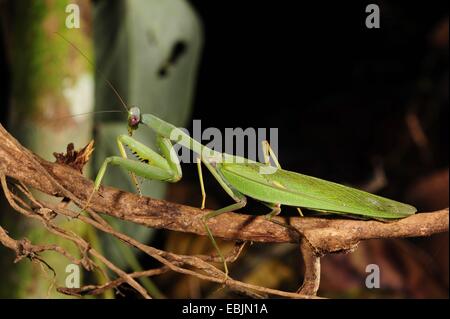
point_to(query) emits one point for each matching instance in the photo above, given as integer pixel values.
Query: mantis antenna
(91, 63)
(92, 112)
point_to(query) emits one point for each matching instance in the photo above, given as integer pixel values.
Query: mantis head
(134, 118)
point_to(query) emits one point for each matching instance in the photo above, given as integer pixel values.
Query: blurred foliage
(151, 60)
(149, 50)
(47, 83)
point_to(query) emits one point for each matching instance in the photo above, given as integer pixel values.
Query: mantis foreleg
(123, 153)
(150, 165)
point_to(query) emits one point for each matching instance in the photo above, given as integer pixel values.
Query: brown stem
(324, 235)
(316, 236)
(311, 260)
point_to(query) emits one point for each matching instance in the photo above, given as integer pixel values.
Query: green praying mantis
(238, 176)
(241, 177)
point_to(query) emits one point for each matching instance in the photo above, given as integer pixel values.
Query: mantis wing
(294, 189)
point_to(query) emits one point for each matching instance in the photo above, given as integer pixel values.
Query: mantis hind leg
(276, 209)
(270, 154)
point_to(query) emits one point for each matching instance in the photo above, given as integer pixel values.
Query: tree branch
(316, 236)
(311, 280)
(324, 234)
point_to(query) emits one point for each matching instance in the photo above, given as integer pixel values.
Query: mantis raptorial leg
(151, 165)
(123, 153)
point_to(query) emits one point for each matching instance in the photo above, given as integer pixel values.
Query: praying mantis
(238, 176)
(241, 178)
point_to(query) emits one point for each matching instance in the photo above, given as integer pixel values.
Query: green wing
(294, 189)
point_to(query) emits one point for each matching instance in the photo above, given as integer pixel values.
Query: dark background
(338, 92)
(348, 102)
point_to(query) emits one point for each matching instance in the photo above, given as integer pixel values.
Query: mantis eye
(134, 117)
(134, 120)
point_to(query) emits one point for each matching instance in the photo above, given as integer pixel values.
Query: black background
(338, 91)
(276, 308)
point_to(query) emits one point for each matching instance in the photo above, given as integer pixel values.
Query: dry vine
(316, 236)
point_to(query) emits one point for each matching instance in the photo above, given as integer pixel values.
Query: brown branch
(169, 259)
(173, 261)
(25, 248)
(311, 260)
(325, 235)
(317, 235)
(99, 289)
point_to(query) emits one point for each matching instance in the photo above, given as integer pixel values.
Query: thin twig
(70, 236)
(99, 289)
(317, 236)
(326, 235)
